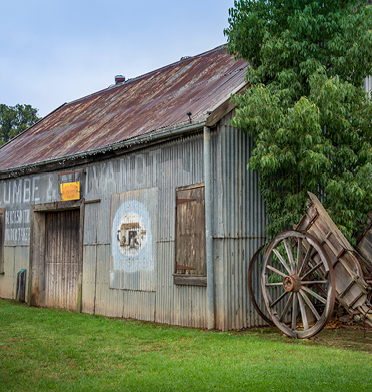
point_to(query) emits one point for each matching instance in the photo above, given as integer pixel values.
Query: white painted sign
(131, 238)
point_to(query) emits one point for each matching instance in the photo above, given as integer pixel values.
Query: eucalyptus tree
(15, 119)
(306, 108)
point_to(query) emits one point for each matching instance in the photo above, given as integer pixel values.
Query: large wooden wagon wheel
(298, 284)
(252, 265)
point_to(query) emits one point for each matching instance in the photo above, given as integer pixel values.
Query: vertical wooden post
(81, 248)
(209, 229)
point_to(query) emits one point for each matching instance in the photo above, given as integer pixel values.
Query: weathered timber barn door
(56, 255)
(190, 266)
(62, 259)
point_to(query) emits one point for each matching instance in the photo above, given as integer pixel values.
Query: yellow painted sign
(70, 191)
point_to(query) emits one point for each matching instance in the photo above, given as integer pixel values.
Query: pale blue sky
(53, 52)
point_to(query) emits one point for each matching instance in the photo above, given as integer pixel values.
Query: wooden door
(62, 259)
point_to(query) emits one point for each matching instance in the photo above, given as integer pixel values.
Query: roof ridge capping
(136, 78)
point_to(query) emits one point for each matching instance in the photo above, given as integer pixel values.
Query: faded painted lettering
(139, 169)
(19, 235)
(7, 193)
(26, 190)
(153, 154)
(133, 171)
(20, 191)
(51, 192)
(17, 191)
(35, 190)
(17, 223)
(17, 216)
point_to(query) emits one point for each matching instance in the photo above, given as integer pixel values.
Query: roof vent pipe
(119, 79)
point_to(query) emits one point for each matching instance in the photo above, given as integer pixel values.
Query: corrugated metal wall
(15, 259)
(181, 164)
(16, 196)
(239, 221)
(240, 227)
(169, 166)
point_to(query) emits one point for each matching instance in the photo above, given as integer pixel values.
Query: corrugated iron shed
(137, 107)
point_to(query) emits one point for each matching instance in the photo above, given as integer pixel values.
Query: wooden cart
(304, 270)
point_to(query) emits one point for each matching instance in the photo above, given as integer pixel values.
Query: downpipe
(209, 229)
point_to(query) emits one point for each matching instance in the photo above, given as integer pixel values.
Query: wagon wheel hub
(292, 283)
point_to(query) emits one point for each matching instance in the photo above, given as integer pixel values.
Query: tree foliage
(306, 108)
(15, 119)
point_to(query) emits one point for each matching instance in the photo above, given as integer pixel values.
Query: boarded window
(190, 264)
(2, 236)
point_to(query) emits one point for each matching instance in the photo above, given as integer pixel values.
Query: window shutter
(190, 263)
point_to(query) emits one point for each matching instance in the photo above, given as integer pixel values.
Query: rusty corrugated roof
(140, 106)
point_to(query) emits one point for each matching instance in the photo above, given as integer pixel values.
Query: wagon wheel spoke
(294, 311)
(279, 298)
(299, 272)
(299, 255)
(286, 307)
(276, 271)
(280, 257)
(303, 312)
(314, 294)
(312, 270)
(309, 304)
(305, 261)
(290, 255)
(321, 290)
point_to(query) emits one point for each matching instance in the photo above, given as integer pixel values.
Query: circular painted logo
(131, 239)
(131, 234)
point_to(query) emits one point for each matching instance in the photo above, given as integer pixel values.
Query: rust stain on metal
(180, 201)
(184, 267)
(137, 107)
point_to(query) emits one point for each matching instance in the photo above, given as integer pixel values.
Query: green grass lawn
(46, 349)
